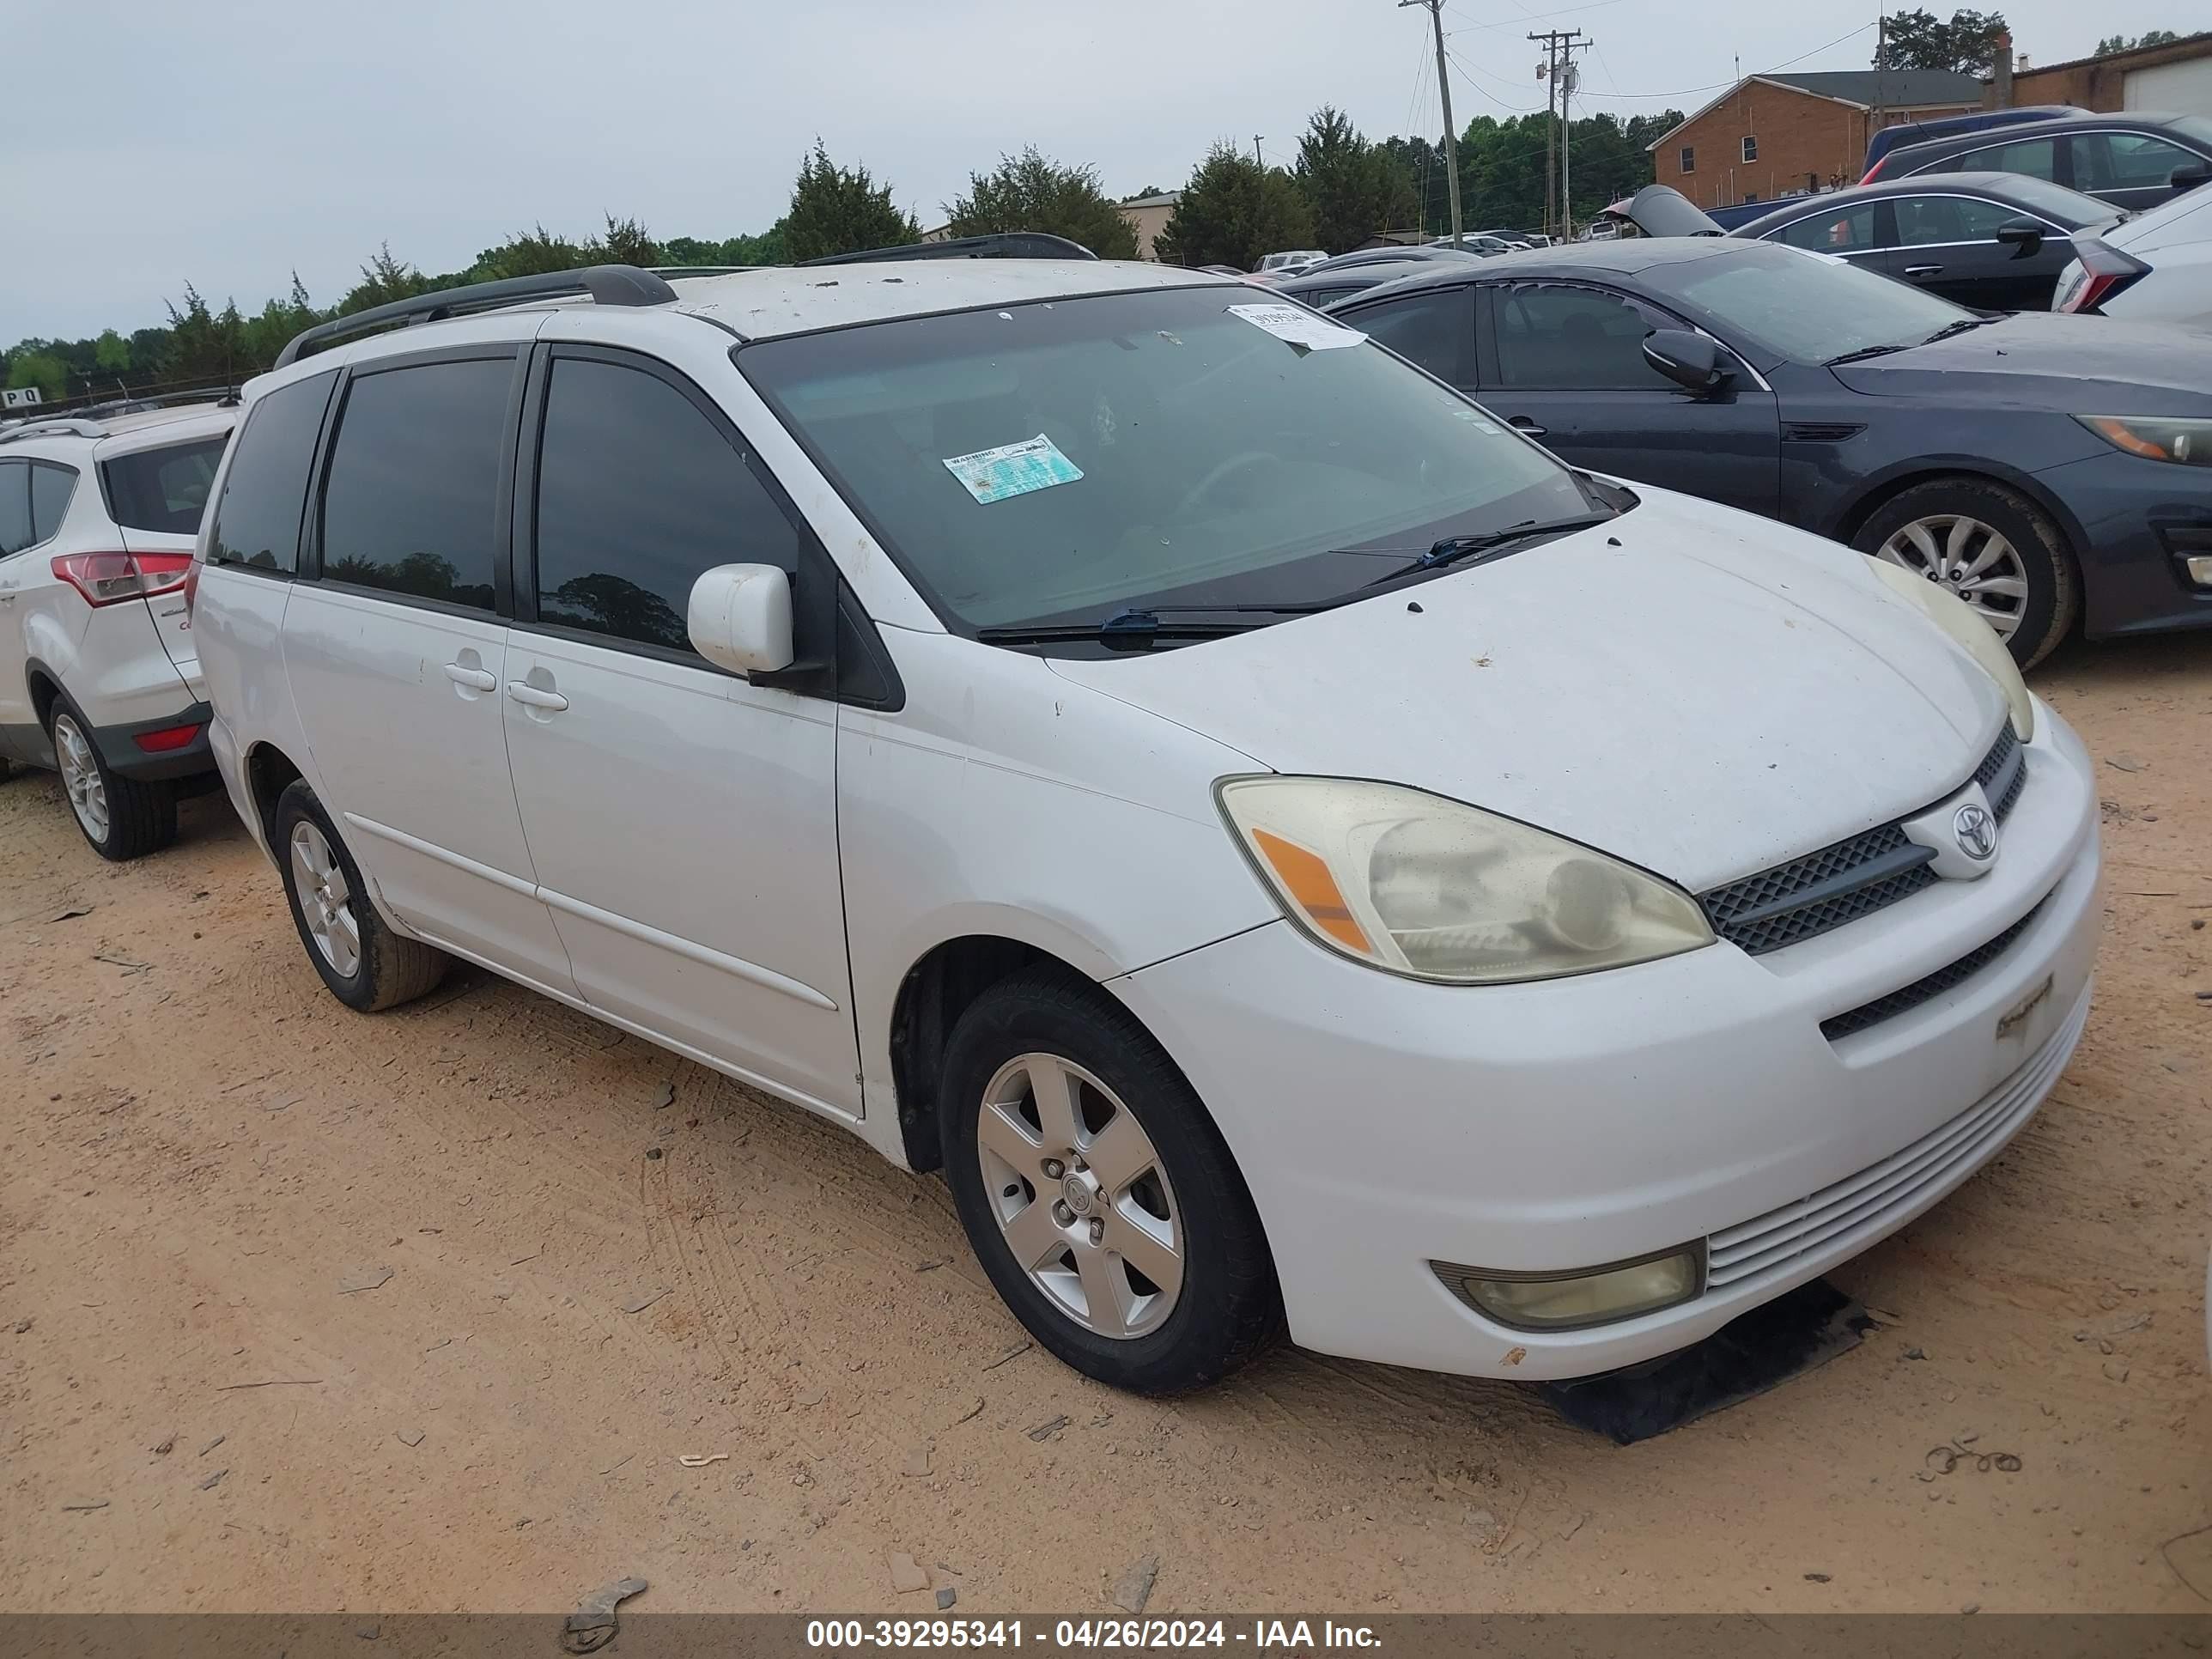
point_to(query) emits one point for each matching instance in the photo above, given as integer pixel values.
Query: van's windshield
(1060, 461)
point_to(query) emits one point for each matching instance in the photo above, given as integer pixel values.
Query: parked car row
(1292, 849)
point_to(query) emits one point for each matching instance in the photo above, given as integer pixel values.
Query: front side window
(163, 490)
(639, 492)
(1750, 149)
(2125, 160)
(257, 521)
(408, 504)
(1849, 232)
(1923, 221)
(2035, 157)
(1178, 446)
(1572, 337)
(1808, 311)
(15, 507)
(52, 486)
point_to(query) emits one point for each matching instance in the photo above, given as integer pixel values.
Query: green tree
(1354, 188)
(835, 210)
(626, 242)
(38, 368)
(2112, 43)
(205, 344)
(383, 280)
(1232, 212)
(532, 252)
(112, 352)
(1966, 44)
(1029, 192)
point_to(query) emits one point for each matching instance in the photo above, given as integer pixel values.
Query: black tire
(390, 970)
(2053, 577)
(141, 818)
(1228, 1308)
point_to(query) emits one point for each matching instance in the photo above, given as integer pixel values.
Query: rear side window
(257, 520)
(162, 489)
(15, 507)
(52, 486)
(638, 492)
(408, 504)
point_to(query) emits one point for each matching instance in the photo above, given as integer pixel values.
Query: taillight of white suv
(2097, 272)
(106, 579)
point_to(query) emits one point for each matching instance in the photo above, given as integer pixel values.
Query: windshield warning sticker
(992, 475)
(1300, 328)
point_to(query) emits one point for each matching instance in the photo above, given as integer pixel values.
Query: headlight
(1956, 617)
(2155, 437)
(1416, 884)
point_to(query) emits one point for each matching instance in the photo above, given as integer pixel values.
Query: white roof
(795, 299)
(115, 434)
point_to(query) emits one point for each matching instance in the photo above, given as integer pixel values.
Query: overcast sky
(227, 141)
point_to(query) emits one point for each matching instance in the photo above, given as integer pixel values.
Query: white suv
(1288, 848)
(97, 524)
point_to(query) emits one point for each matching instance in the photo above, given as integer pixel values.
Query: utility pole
(1547, 72)
(1255, 149)
(1443, 89)
(1559, 48)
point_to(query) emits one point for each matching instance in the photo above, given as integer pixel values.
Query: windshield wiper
(1959, 327)
(1493, 544)
(1864, 352)
(1135, 628)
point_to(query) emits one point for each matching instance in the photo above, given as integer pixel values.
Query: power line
(1684, 92)
(1470, 71)
(1535, 16)
(1435, 10)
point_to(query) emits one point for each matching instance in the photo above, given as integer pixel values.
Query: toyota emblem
(1977, 832)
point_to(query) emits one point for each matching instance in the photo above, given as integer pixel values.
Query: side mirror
(2023, 236)
(1691, 360)
(2189, 175)
(740, 617)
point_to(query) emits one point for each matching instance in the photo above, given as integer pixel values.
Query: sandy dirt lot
(305, 1311)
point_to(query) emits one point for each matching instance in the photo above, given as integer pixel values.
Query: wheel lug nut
(1054, 1169)
(1097, 1232)
(1062, 1214)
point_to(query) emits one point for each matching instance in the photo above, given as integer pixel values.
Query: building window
(1689, 158)
(1750, 150)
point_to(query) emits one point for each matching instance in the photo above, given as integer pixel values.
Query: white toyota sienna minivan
(1293, 852)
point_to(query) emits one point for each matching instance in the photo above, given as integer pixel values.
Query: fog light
(2200, 569)
(1595, 1296)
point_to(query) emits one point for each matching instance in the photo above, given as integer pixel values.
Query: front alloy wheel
(1971, 559)
(1079, 1194)
(1097, 1190)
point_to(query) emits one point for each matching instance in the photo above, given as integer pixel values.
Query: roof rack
(62, 428)
(1004, 245)
(608, 285)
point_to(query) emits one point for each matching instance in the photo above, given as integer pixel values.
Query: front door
(397, 657)
(1564, 363)
(20, 739)
(684, 822)
(1947, 244)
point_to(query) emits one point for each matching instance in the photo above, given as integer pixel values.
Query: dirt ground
(305, 1311)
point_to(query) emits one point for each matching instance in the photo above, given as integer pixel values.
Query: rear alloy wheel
(123, 818)
(1097, 1193)
(366, 966)
(1990, 546)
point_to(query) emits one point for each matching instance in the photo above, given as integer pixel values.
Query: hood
(1663, 210)
(1712, 695)
(2045, 360)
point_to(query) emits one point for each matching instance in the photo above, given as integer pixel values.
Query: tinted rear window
(164, 489)
(257, 520)
(414, 480)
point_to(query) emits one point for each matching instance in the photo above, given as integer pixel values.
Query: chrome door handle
(475, 679)
(1923, 270)
(523, 692)
(1526, 423)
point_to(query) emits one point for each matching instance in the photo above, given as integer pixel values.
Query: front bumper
(2141, 521)
(1382, 1124)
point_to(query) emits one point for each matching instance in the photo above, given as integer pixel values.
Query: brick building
(1771, 136)
(2174, 79)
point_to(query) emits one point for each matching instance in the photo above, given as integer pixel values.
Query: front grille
(1934, 985)
(1813, 894)
(1886, 1191)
